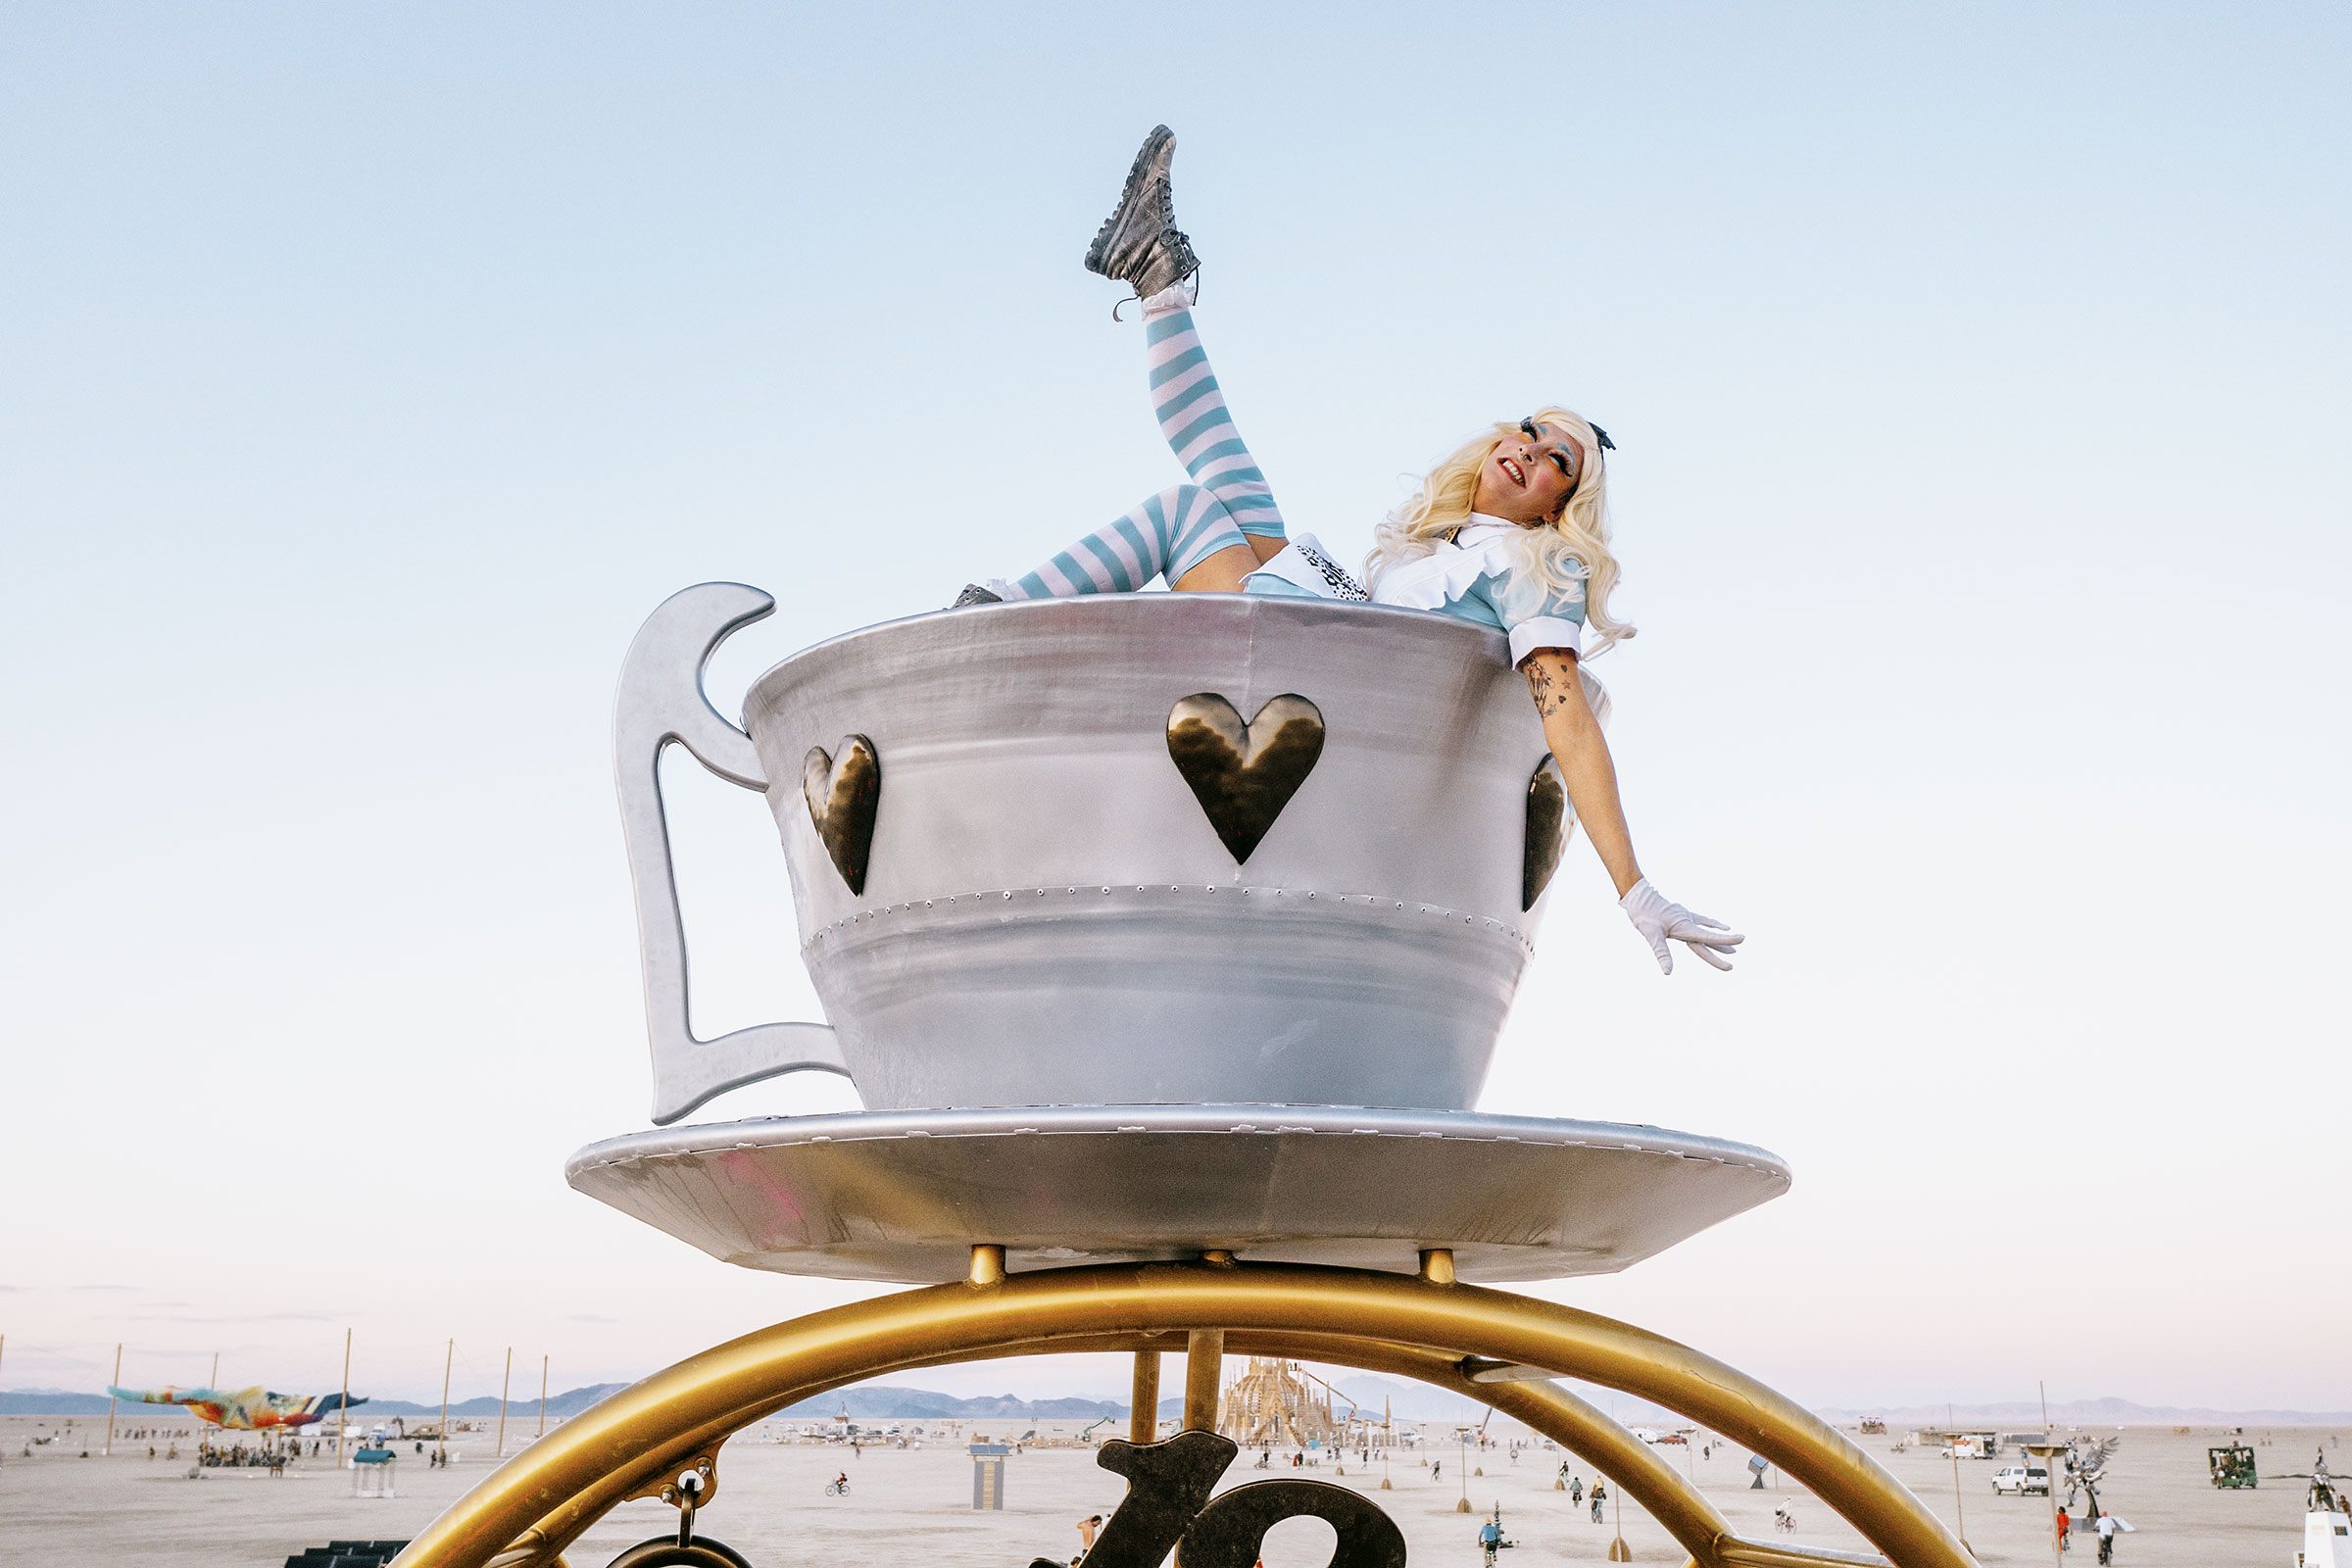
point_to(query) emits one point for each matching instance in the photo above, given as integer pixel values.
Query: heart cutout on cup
(843, 792)
(1549, 822)
(1244, 773)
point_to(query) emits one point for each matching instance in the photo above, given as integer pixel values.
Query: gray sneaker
(1138, 243)
(974, 594)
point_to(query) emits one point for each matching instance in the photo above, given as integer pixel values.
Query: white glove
(1660, 922)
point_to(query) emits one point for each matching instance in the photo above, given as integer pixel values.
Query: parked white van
(2026, 1480)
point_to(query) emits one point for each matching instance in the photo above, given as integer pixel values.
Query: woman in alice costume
(1511, 531)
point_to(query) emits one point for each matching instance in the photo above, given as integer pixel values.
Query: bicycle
(1492, 1539)
(837, 1488)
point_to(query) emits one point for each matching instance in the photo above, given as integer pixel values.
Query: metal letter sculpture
(1167, 1506)
(1167, 1486)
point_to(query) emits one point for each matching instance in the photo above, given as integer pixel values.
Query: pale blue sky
(1979, 374)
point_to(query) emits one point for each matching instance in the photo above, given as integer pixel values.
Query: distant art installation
(253, 1409)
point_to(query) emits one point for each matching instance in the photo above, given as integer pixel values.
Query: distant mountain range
(873, 1402)
(884, 1401)
(570, 1402)
(869, 1403)
(50, 1401)
(2109, 1412)
(61, 1402)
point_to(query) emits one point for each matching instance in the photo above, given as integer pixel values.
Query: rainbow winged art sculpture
(251, 1410)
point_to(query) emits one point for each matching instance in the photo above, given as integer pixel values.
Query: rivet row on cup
(1208, 889)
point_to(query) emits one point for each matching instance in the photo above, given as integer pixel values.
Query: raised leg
(1196, 423)
(1204, 537)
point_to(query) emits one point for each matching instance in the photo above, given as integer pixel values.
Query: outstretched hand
(1661, 922)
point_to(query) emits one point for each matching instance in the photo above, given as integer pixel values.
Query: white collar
(1452, 566)
(1481, 528)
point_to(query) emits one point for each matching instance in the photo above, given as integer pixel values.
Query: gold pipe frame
(1578, 1425)
(1143, 1399)
(1203, 1378)
(564, 1482)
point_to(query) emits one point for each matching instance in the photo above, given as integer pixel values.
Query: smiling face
(1530, 474)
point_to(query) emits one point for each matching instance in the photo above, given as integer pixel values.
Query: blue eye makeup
(1559, 460)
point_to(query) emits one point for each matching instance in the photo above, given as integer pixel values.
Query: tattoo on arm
(1551, 694)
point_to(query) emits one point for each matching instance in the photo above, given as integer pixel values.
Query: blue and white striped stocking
(1168, 536)
(1177, 529)
(1193, 419)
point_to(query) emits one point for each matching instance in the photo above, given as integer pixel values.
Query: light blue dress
(1469, 575)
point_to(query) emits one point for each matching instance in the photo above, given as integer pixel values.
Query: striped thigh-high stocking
(1176, 529)
(1166, 536)
(1193, 419)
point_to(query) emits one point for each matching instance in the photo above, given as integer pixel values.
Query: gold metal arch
(536, 1503)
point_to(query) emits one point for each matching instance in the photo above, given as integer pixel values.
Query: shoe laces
(1181, 244)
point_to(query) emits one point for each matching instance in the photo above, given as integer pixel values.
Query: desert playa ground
(914, 1504)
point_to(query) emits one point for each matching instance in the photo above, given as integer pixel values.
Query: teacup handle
(661, 700)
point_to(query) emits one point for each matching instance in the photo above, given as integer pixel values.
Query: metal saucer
(903, 1196)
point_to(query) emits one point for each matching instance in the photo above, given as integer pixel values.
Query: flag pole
(506, 1381)
(542, 1397)
(446, 1363)
(2057, 1541)
(343, 1410)
(1959, 1513)
(109, 1450)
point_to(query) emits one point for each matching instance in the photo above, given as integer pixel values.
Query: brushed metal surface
(1048, 916)
(660, 703)
(905, 1196)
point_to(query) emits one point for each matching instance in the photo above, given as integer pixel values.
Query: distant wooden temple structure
(1276, 1403)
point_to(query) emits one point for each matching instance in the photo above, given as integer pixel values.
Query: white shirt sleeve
(1545, 631)
(1556, 622)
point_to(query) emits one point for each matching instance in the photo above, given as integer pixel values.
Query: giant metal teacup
(1049, 915)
